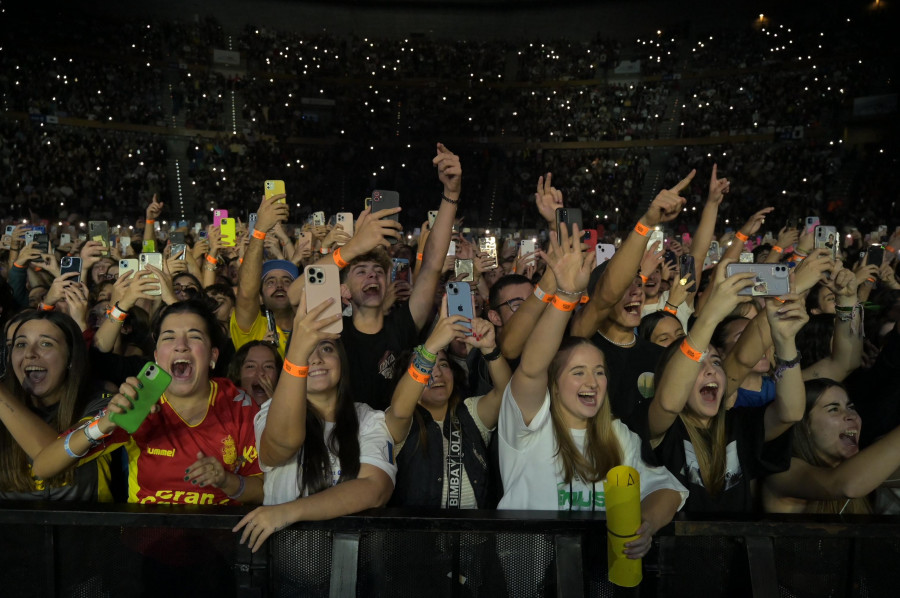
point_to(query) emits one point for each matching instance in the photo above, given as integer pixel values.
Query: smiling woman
(46, 395)
(203, 428)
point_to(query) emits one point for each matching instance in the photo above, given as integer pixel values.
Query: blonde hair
(602, 451)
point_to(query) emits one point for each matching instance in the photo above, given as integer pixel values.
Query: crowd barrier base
(53, 549)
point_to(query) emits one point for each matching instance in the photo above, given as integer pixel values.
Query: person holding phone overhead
(373, 340)
(198, 447)
(269, 280)
(46, 392)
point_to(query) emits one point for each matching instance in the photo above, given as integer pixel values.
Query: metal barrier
(54, 549)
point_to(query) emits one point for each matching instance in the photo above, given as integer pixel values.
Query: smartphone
(10, 229)
(686, 238)
(218, 215)
(40, 229)
(270, 321)
(153, 383)
(526, 246)
(42, 242)
(322, 282)
(810, 224)
(451, 250)
(432, 214)
(318, 218)
(875, 255)
(466, 269)
(271, 188)
(488, 245)
(656, 236)
(151, 259)
(345, 220)
(712, 255)
(202, 234)
(99, 231)
(66, 239)
(385, 200)
(567, 217)
(459, 302)
(687, 267)
(176, 237)
(229, 232)
(590, 239)
(746, 257)
(771, 279)
(70, 264)
(251, 221)
(128, 265)
(125, 243)
(604, 252)
(827, 237)
(148, 246)
(400, 270)
(670, 258)
(29, 237)
(179, 250)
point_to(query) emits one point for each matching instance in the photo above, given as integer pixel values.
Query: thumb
(200, 455)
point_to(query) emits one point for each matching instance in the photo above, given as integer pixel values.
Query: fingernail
(194, 482)
(188, 470)
(186, 478)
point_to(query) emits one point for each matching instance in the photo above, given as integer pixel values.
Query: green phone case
(154, 382)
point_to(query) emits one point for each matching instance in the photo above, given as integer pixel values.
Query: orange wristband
(777, 249)
(149, 221)
(741, 236)
(338, 260)
(296, 370)
(419, 257)
(258, 234)
(417, 375)
(690, 352)
(644, 279)
(212, 260)
(668, 309)
(890, 249)
(562, 305)
(641, 229)
(15, 265)
(584, 299)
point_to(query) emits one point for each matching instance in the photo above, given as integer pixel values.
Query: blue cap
(284, 265)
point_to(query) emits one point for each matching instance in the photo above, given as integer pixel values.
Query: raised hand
(786, 315)
(815, 268)
(570, 265)
(270, 212)
(653, 257)
(724, 293)
(667, 203)
(755, 221)
(547, 199)
(446, 330)
(483, 336)
(717, 187)
(57, 289)
(154, 209)
(308, 328)
(449, 170)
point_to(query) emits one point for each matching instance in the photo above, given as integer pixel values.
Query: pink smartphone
(218, 215)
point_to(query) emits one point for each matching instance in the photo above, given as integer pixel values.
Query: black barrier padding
(300, 563)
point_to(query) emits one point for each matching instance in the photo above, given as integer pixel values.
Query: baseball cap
(283, 265)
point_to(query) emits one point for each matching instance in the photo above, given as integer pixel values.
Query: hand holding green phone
(152, 383)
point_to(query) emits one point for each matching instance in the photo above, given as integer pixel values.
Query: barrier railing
(131, 550)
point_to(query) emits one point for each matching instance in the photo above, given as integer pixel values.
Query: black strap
(572, 494)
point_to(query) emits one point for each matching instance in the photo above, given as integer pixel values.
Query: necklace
(628, 344)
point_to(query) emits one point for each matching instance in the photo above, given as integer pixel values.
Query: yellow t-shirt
(257, 332)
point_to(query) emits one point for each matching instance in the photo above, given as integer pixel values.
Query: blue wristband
(69, 451)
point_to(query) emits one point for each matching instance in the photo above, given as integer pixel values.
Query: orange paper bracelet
(641, 229)
(338, 260)
(563, 305)
(417, 375)
(296, 370)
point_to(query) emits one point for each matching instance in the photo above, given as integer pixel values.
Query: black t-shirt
(373, 357)
(630, 373)
(748, 457)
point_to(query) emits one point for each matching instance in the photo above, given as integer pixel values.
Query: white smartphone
(345, 219)
(155, 260)
(432, 214)
(526, 246)
(604, 252)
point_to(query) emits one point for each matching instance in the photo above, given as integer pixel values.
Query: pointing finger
(683, 183)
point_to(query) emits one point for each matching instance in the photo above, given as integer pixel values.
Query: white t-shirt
(533, 478)
(282, 483)
(683, 314)
(466, 493)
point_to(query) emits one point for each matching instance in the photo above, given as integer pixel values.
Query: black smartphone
(875, 255)
(567, 217)
(688, 268)
(176, 238)
(385, 200)
(42, 242)
(70, 264)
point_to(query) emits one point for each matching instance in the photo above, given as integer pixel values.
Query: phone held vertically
(400, 270)
(466, 269)
(488, 245)
(567, 217)
(459, 302)
(771, 279)
(251, 221)
(323, 282)
(69, 264)
(153, 384)
(826, 237)
(687, 271)
(432, 214)
(526, 247)
(128, 265)
(155, 260)
(271, 188)
(875, 255)
(345, 221)
(228, 229)
(604, 252)
(218, 215)
(99, 231)
(386, 200)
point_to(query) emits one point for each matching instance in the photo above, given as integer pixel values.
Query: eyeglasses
(513, 304)
(187, 290)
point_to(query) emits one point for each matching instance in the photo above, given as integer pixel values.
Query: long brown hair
(602, 450)
(804, 448)
(15, 474)
(708, 441)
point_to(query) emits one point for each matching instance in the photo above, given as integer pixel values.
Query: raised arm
(246, 309)
(521, 324)
(485, 341)
(706, 229)
(152, 215)
(621, 270)
(438, 242)
(847, 342)
(750, 228)
(680, 374)
(409, 390)
(786, 315)
(572, 269)
(129, 287)
(787, 237)
(285, 430)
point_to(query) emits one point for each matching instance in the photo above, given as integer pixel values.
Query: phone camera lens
(312, 279)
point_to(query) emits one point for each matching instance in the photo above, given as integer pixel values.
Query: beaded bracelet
(448, 200)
